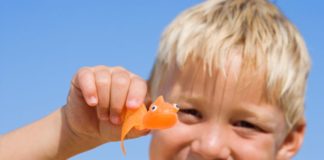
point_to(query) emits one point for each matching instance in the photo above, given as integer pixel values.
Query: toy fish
(160, 115)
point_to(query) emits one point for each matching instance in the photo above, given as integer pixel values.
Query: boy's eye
(247, 125)
(189, 115)
(192, 112)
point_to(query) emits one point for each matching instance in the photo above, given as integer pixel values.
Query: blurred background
(43, 43)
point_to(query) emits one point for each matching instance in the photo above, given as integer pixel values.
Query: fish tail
(125, 130)
(123, 148)
(132, 118)
(127, 126)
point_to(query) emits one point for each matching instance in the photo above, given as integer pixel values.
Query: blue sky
(43, 43)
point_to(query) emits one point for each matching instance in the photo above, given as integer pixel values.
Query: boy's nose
(211, 145)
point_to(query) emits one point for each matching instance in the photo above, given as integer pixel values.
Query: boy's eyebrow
(259, 112)
(192, 99)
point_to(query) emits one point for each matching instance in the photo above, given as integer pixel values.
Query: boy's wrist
(71, 142)
(34, 141)
(48, 138)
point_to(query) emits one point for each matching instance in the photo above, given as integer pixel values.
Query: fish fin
(159, 100)
(140, 127)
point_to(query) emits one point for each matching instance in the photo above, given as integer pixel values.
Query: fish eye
(176, 106)
(153, 108)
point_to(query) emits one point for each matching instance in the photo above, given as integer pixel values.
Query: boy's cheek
(176, 142)
(175, 134)
(170, 142)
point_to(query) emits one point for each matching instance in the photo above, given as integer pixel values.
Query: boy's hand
(91, 117)
(96, 100)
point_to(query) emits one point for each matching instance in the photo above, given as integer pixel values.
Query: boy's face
(220, 117)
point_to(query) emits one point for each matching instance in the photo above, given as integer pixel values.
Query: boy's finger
(119, 87)
(84, 81)
(103, 80)
(136, 93)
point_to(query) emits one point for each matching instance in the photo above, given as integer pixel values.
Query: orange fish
(161, 115)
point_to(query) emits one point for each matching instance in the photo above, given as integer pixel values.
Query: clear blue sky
(43, 43)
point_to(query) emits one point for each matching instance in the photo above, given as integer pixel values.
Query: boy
(237, 69)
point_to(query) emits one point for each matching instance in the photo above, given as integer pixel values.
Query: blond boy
(237, 69)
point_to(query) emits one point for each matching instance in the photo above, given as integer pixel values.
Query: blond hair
(213, 29)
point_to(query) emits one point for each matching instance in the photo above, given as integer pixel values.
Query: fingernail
(115, 120)
(92, 101)
(134, 103)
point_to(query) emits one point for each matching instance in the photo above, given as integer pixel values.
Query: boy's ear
(293, 141)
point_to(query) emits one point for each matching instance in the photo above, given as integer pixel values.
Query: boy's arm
(48, 138)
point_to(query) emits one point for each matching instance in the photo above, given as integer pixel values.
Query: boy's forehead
(193, 80)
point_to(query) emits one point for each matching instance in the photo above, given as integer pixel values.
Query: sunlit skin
(222, 118)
